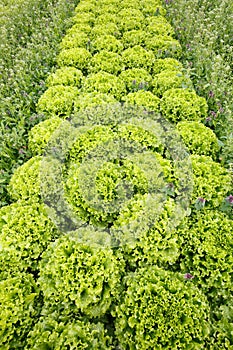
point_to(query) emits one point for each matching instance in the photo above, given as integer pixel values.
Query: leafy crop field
(116, 172)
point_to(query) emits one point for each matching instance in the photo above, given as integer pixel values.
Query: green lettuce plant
(107, 7)
(207, 253)
(56, 332)
(19, 308)
(138, 134)
(92, 99)
(136, 79)
(87, 279)
(207, 256)
(25, 182)
(75, 39)
(149, 221)
(106, 18)
(40, 134)
(130, 4)
(152, 8)
(77, 28)
(133, 37)
(106, 61)
(168, 63)
(86, 6)
(163, 46)
(143, 98)
(84, 18)
(105, 29)
(58, 100)
(106, 42)
(199, 138)
(106, 83)
(212, 182)
(138, 57)
(170, 79)
(65, 76)
(183, 104)
(158, 25)
(107, 180)
(25, 233)
(77, 57)
(160, 310)
(129, 19)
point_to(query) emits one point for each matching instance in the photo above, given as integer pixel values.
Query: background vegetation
(204, 29)
(29, 37)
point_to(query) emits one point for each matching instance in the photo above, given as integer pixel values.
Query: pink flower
(188, 276)
(230, 199)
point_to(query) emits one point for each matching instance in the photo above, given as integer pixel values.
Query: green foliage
(128, 4)
(86, 6)
(136, 79)
(199, 138)
(87, 141)
(222, 326)
(156, 240)
(77, 57)
(106, 83)
(208, 55)
(25, 182)
(143, 98)
(92, 99)
(138, 57)
(107, 182)
(169, 79)
(159, 310)
(25, 233)
(117, 183)
(88, 279)
(162, 64)
(58, 100)
(107, 7)
(152, 8)
(30, 33)
(84, 28)
(74, 39)
(106, 42)
(55, 332)
(207, 253)
(142, 135)
(227, 152)
(65, 76)
(211, 181)
(133, 38)
(183, 104)
(163, 46)
(158, 25)
(40, 134)
(129, 19)
(105, 29)
(18, 310)
(106, 18)
(84, 18)
(106, 61)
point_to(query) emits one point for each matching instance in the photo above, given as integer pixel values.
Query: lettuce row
(72, 294)
(126, 37)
